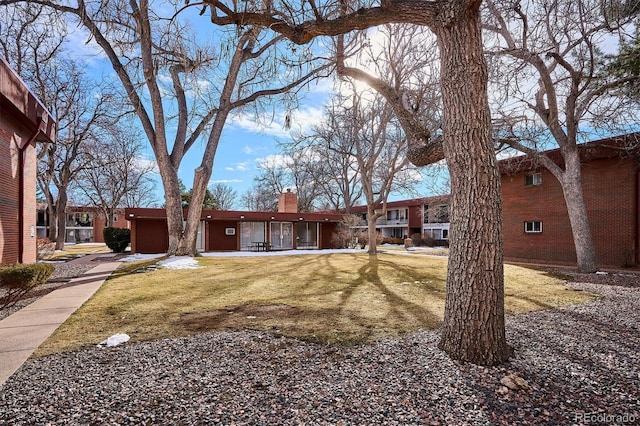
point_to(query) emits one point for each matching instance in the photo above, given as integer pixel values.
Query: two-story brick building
(23, 121)
(428, 216)
(536, 222)
(83, 224)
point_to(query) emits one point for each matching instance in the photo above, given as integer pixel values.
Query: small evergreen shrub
(117, 239)
(20, 276)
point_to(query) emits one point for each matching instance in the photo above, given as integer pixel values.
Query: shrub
(45, 248)
(16, 280)
(422, 241)
(117, 239)
(344, 235)
(25, 276)
(393, 240)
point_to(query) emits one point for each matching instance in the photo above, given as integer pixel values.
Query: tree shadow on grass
(400, 308)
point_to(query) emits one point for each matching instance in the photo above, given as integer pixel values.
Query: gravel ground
(575, 365)
(62, 274)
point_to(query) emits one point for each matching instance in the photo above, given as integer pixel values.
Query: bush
(420, 241)
(45, 248)
(20, 276)
(117, 239)
(393, 240)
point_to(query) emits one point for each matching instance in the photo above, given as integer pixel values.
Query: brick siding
(610, 189)
(11, 136)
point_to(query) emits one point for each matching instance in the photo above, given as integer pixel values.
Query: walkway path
(25, 330)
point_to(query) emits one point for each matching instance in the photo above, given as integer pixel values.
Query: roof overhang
(18, 102)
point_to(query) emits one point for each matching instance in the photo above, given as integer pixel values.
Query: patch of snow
(140, 256)
(425, 248)
(278, 253)
(114, 340)
(179, 262)
(602, 273)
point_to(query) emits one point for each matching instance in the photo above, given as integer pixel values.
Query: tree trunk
(52, 211)
(473, 329)
(173, 203)
(371, 231)
(198, 191)
(61, 218)
(572, 188)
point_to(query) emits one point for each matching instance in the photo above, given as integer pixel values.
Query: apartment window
(533, 227)
(115, 218)
(533, 179)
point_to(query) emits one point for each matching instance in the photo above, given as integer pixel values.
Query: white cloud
(147, 165)
(300, 119)
(274, 160)
(79, 42)
(238, 167)
(248, 150)
(226, 181)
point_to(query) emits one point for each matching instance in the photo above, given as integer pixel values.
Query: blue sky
(245, 142)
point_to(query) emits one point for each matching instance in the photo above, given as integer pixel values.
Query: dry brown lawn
(327, 298)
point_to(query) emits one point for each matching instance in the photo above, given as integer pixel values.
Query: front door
(281, 235)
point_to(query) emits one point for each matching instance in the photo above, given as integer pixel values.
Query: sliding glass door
(281, 235)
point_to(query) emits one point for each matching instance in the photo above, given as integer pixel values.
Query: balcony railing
(385, 221)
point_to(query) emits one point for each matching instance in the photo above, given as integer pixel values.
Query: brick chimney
(288, 202)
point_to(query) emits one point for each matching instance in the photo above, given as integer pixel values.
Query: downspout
(21, 201)
(637, 214)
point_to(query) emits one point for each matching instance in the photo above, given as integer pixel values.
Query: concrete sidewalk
(25, 330)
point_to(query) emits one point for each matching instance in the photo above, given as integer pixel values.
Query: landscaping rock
(580, 362)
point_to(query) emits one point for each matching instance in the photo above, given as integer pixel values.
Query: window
(445, 234)
(533, 179)
(83, 220)
(533, 227)
(115, 218)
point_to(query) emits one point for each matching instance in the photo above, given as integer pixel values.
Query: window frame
(536, 179)
(533, 229)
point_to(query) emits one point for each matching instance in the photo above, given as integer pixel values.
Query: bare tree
(365, 125)
(259, 199)
(116, 176)
(296, 169)
(224, 195)
(149, 45)
(335, 171)
(554, 91)
(473, 328)
(76, 104)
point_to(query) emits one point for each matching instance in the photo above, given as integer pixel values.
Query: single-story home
(224, 230)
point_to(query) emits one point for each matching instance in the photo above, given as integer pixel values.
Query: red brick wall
(288, 202)
(30, 249)
(99, 224)
(611, 192)
(11, 135)
(9, 194)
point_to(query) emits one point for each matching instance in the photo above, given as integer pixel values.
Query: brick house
(83, 224)
(428, 216)
(23, 122)
(536, 222)
(223, 230)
